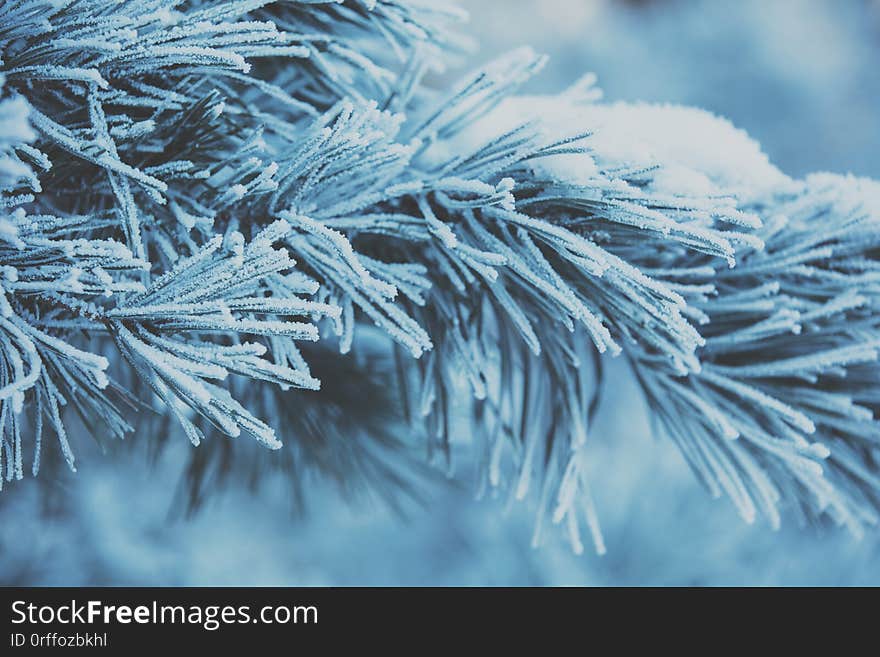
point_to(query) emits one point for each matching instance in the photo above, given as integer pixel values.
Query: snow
(697, 152)
(714, 158)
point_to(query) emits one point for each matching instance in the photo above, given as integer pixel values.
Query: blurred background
(801, 77)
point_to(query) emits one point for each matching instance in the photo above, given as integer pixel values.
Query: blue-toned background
(801, 77)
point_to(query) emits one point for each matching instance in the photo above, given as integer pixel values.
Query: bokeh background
(801, 77)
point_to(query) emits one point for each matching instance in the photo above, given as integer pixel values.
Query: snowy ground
(799, 75)
(114, 523)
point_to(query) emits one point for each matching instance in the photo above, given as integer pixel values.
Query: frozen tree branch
(198, 187)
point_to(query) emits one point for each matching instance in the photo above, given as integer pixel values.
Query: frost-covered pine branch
(192, 191)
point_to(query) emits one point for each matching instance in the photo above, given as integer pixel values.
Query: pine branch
(198, 187)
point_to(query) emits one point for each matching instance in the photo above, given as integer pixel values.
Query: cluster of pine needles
(202, 201)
